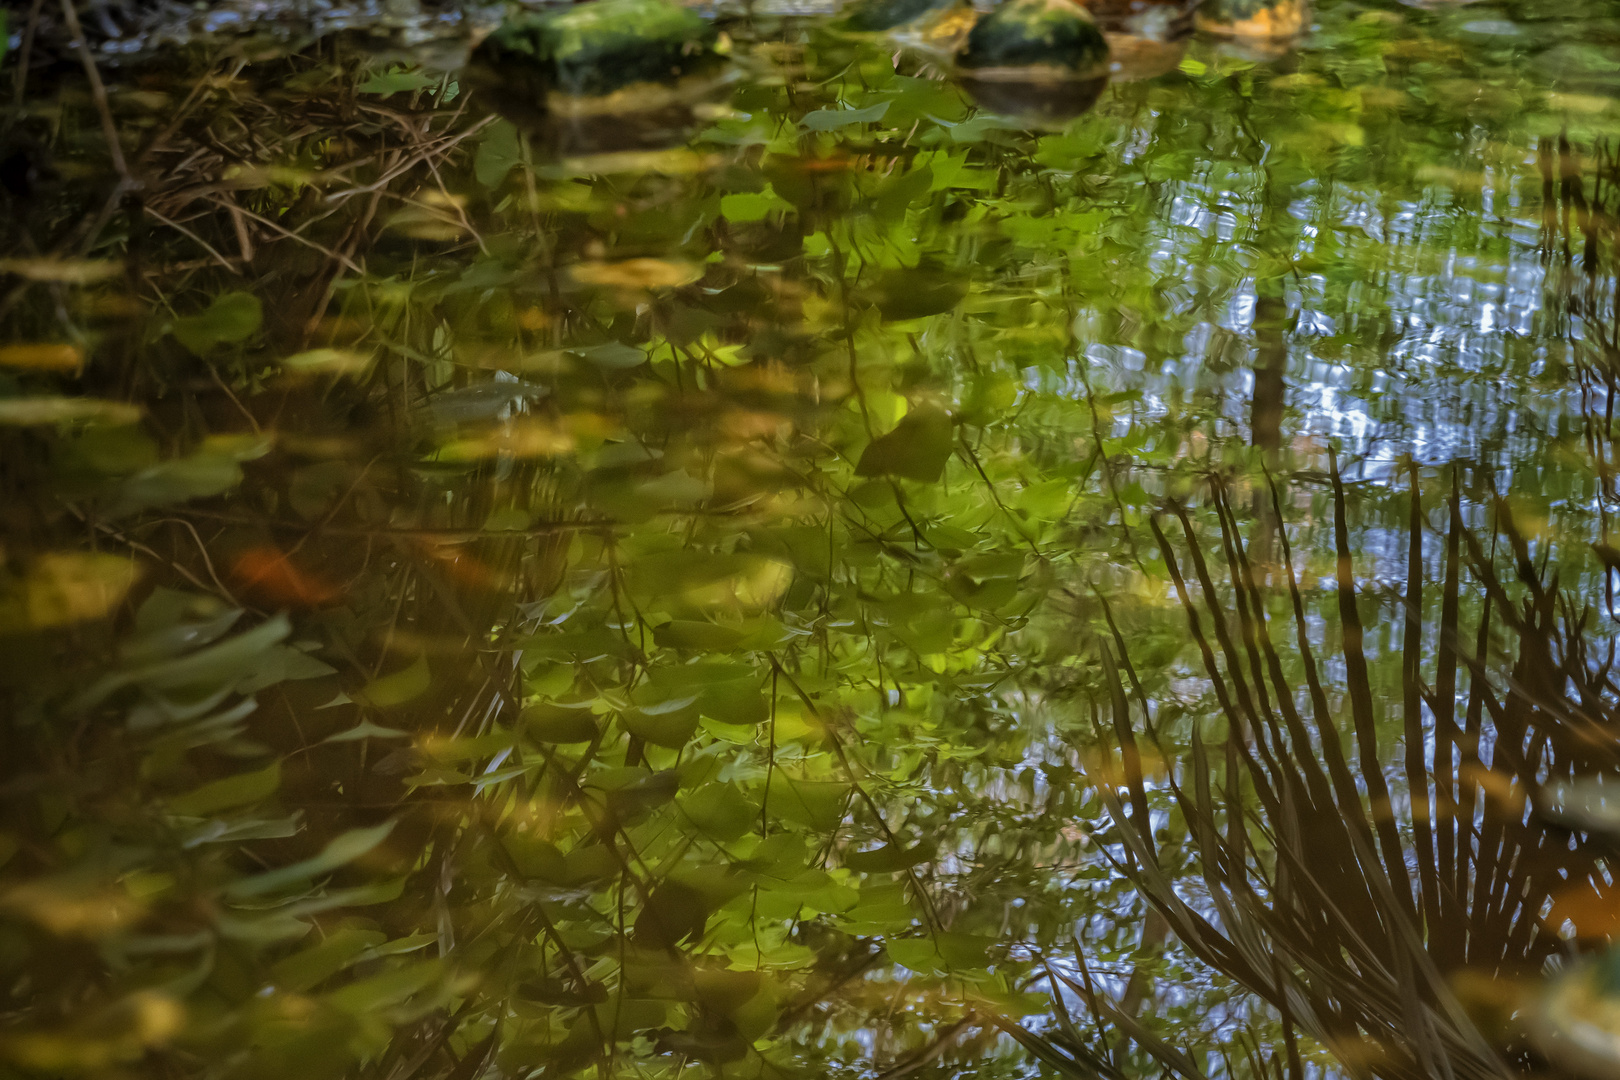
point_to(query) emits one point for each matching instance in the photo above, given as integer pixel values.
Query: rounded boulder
(1033, 39)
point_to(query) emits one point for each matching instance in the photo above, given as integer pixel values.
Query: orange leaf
(1595, 912)
(267, 574)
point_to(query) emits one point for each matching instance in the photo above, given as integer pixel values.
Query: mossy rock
(1038, 104)
(601, 47)
(1035, 38)
(1266, 20)
(870, 16)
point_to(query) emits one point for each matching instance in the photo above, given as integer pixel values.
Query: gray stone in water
(1033, 39)
(598, 48)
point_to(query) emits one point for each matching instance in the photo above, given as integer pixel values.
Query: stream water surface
(857, 575)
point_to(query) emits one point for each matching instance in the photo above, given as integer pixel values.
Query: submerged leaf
(674, 912)
(397, 80)
(917, 449)
(498, 152)
(341, 851)
(887, 859)
(232, 791)
(401, 686)
(232, 317)
(270, 576)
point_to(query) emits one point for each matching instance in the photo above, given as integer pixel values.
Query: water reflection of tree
(1580, 197)
(1370, 912)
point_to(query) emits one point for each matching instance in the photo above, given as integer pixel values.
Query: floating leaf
(613, 355)
(1575, 1018)
(637, 273)
(524, 437)
(62, 271)
(435, 218)
(1586, 803)
(243, 446)
(201, 475)
(329, 362)
(30, 411)
(673, 162)
(483, 401)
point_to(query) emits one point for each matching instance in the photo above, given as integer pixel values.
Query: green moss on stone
(1036, 33)
(599, 47)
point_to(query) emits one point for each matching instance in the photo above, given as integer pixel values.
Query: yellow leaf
(68, 907)
(668, 162)
(758, 587)
(120, 1032)
(638, 273)
(42, 357)
(522, 439)
(64, 588)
